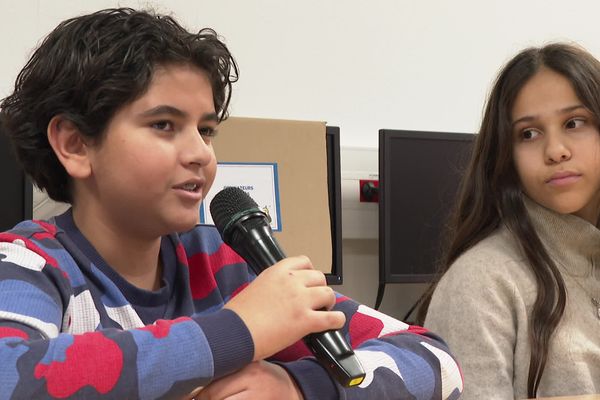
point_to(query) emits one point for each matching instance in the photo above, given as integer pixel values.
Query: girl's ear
(70, 146)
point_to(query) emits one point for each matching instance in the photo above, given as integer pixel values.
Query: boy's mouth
(192, 186)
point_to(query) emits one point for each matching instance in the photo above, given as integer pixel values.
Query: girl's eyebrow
(174, 111)
(529, 118)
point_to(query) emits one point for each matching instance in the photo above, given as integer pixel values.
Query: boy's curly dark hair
(89, 67)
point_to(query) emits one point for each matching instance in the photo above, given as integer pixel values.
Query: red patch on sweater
(162, 327)
(48, 233)
(181, 254)
(11, 238)
(363, 327)
(293, 353)
(92, 360)
(13, 332)
(204, 266)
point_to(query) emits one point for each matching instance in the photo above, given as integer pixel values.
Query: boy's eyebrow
(565, 110)
(166, 109)
(210, 117)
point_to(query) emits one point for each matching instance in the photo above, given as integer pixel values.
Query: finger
(322, 298)
(337, 319)
(328, 320)
(194, 394)
(310, 278)
(297, 263)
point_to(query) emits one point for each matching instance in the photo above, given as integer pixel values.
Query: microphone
(246, 229)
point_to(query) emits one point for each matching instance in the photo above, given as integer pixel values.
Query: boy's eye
(574, 123)
(207, 131)
(163, 125)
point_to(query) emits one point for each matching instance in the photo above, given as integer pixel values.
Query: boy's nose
(197, 149)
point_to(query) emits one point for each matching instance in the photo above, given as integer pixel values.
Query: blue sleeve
(43, 355)
(400, 361)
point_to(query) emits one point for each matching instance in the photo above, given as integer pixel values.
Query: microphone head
(229, 205)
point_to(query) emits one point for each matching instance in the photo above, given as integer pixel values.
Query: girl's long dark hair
(491, 196)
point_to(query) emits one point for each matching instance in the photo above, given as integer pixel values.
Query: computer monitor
(16, 200)
(335, 203)
(419, 174)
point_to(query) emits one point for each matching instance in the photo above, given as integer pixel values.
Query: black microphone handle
(252, 238)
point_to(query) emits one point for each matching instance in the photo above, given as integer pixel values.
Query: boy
(115, 113)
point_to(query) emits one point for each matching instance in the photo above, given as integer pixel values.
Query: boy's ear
(70, 146)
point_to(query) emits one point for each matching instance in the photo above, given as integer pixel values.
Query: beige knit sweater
(482, 306)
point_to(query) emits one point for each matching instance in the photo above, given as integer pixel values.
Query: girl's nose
(556, 150)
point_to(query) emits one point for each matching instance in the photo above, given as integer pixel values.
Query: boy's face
(156, 161)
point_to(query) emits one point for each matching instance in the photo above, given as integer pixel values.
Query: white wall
(361, 65)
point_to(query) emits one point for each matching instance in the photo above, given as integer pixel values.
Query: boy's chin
(184, 227)
(184, 224)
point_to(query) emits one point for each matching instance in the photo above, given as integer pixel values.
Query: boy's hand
(285, 303)
(258, 380)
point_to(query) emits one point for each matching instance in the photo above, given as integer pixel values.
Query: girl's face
(557, 146)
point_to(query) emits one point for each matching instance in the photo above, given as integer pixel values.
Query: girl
(519, 302)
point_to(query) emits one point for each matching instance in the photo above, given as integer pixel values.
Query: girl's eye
(163, 125)
(207, 131)
(574, 123)
(529, 134)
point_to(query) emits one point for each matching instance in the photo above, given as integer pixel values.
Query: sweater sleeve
(400, 361)
(167, 359)
(474, 308)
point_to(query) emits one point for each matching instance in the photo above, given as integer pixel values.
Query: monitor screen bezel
(335, 203)
(386, 273)
(17, 198)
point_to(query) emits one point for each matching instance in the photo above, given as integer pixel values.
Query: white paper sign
(259, 180)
